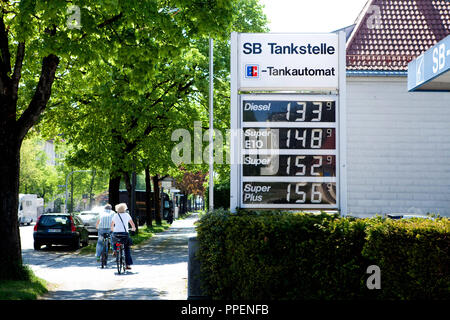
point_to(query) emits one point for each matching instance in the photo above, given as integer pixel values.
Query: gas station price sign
(289, 151)
(288, 121)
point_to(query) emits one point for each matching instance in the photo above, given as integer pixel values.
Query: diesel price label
(289, 111)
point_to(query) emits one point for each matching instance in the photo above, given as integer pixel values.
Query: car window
(47, 221)
(89, 214)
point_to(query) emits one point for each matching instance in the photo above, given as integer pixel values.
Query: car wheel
(76, 244)
(85, 242)
(37, 245)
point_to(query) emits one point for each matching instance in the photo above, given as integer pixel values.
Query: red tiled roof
(391, 33)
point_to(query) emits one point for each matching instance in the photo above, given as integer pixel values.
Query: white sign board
(273, 61)
(166, 184)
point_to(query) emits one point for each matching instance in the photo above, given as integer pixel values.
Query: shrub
(276, 255)
(413, 256)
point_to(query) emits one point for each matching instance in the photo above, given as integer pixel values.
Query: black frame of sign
(289, 151)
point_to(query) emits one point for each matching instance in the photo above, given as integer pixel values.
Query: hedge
(298, 256)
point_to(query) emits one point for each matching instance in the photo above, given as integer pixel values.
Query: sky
(311, 15)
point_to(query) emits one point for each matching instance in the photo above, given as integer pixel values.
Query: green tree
(36, 174)
(138, 101)
(39, 44)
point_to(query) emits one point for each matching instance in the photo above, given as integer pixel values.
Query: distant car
(59, 228)
(89, 219)
(398, 216)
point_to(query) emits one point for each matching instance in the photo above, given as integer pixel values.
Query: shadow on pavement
(117, 294)
(167, 250)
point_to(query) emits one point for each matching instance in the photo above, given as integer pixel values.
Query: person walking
(119, 227)
(103, 226)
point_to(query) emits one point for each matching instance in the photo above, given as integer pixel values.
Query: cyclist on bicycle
(119, 227)
(103, 226)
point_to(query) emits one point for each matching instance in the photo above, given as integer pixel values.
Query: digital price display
(298, 193)
(289, 165)
(290, 138)
(289, 151)
(292, 111)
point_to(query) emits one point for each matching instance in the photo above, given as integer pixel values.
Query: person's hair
(121, 207)
(108, 207)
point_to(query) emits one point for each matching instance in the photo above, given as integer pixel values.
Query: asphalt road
(159, 271)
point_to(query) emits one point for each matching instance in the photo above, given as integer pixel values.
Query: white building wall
(49, 148)
(398, 152)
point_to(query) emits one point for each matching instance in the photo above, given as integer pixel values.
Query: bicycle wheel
(119, 260)
(122, 258)
(104, 257)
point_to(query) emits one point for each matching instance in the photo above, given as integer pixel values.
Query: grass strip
(28, 289)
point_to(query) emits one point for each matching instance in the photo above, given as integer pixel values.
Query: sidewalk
(159, 271)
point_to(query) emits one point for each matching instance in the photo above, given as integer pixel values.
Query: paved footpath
(159, 271)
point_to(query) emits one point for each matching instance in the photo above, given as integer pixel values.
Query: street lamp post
(211, 125)
(67, 178)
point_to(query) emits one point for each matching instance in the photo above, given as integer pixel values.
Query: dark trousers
(124, 238)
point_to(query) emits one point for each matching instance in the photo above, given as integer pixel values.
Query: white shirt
(105, 219)
(118, 226)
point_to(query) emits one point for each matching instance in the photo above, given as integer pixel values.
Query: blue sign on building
(431, 70)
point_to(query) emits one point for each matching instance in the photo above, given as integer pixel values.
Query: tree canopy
(124, 111)
(112, 77)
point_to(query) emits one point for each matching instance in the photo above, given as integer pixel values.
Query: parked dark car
(59, 228)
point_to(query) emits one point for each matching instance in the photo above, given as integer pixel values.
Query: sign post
(286, 113)
(211, 125)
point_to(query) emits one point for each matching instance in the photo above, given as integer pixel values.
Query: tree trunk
(71, 193)
(126, 177)
(114, 185)
(148, 202)
(12, 133)
(185, 200)
(11, 265)
(157, 200)
(91, 189)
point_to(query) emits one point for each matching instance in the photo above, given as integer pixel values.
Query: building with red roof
(398, 142)
(391, 33)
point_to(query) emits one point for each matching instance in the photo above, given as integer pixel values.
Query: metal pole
(133, 196)
(211, 126)
(235, 125)
(343, 200)
(161, 209)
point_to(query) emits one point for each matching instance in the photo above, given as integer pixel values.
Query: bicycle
(120, 255)
(104, 256)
